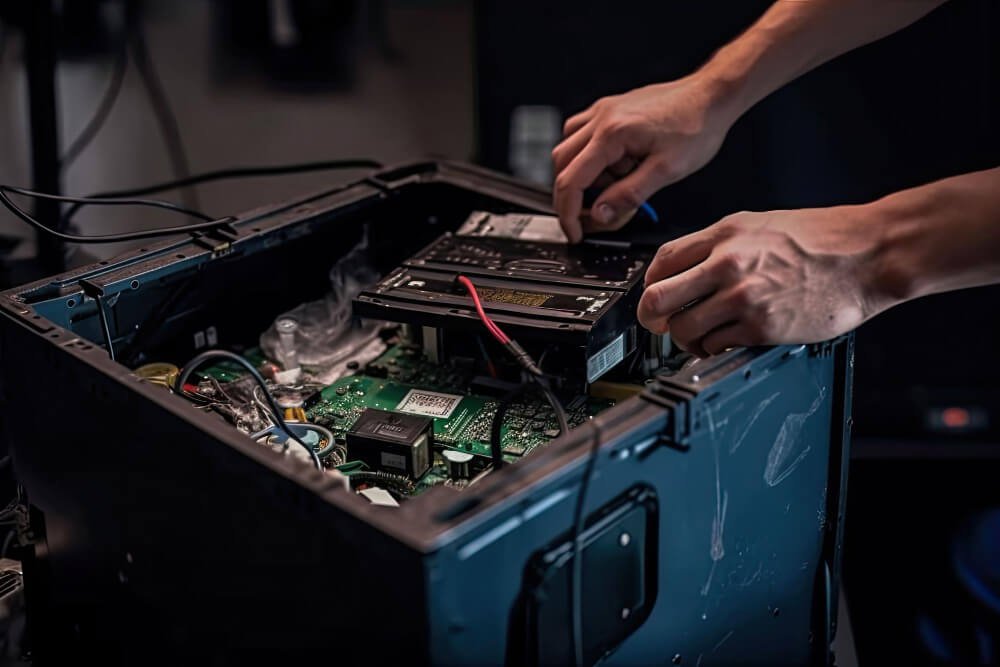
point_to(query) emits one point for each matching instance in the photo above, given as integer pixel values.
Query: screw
(624, 539)
(676, 659)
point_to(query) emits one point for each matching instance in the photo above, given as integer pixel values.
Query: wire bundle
(496, 450)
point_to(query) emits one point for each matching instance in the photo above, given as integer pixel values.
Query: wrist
(894, 269)
(722, 92)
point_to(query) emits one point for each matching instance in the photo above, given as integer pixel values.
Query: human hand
(633, 145)
(766, 278)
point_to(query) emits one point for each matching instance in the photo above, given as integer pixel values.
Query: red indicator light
(955, 417)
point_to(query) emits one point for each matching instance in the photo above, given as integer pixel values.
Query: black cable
(165, 117)
(232, 173)
(96, 122)
(576, 565)
(496, 426)
(102, 314)
(279, 419)
(496, 436)
(557, 407)
(108, 201)
(210, 223)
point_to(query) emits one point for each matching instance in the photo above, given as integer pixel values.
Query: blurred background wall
(393, 81)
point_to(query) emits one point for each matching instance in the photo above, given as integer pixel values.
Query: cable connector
(522, 357)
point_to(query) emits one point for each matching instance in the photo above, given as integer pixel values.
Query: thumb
(625, 196)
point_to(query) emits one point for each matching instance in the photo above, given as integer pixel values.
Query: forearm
(793, 37)
(935, 238)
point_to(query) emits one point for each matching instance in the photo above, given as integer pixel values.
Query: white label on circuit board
(429, 403)
(391, 460)
(606, 358)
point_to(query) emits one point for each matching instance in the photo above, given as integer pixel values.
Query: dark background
(400, 80)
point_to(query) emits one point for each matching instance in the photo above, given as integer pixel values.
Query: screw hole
(747, 373)
(103, 263)
(180, 256)
(134, 284)
(71, 303)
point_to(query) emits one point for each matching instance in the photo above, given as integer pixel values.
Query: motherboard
(459, 405)
(443, 376)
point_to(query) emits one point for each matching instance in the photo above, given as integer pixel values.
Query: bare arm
(807, 275)
(653, 136)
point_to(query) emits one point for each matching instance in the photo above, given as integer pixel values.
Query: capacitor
(457, 462)
(288, 354)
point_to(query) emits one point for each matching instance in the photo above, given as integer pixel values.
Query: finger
(591, 225)
(576, 178)
(613, 173)
(661, 300)
(623, 167)
(689, 326)
(569, 148)
(679, 255)
(738, 334)
(628, 194)
(576, 121)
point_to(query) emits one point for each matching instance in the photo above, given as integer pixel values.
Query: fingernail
(604, 214)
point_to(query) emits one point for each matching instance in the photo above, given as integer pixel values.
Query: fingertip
(572, 231)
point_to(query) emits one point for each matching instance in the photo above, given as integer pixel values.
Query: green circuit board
(462, 420)
(403, 380)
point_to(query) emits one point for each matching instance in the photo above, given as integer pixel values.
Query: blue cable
(650, 212)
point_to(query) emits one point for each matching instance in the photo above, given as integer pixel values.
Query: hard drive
(581, 295)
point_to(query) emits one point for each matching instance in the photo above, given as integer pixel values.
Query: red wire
(491, 326)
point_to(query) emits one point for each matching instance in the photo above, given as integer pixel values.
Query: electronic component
(393, 442)
(378, 496)
(462, 419)
(583, 296)
(457, 462)
(159, 373)
(317, 437)
(288, 355)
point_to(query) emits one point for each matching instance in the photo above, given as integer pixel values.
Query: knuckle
(614, 128)
(652, 298)
(563, 183)
(664, 168)
(729, 224)
(741, 298)
(729, 264)
(681, 330)
(630, 196)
